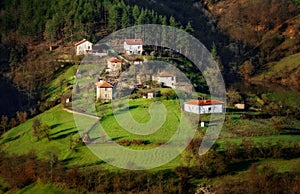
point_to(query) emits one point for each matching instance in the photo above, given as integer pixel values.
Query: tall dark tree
(4, 123)
(136, 13)
(125, 19)
(36, 125)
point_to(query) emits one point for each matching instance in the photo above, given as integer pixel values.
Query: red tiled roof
(204, 102)
(165, 74)
(134, 41)
(103, 84)
(80, 42)
(114, 60)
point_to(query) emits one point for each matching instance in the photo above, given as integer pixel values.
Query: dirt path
(81, 113)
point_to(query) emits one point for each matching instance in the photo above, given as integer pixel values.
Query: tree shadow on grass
(117, 138)
(11, 138)
(290, 131)
(61, 131)
(55, 125)
(100, 162)
(64, 135)
(241, 166)
(67, 160)
(94, 139)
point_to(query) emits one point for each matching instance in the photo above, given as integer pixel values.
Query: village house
(83, 47)
(133, 46)
(166, 79)
(104, 90)
(150, 95)
(204, 106)
(114, 64)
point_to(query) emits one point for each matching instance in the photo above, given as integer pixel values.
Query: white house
(133, 46)
(114, 64)
(150, 95)
(166, 79)
(104, 90)
(83, 47)
(204, 106)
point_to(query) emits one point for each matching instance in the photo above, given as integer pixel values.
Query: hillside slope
(270, 27)
(285, 72)
(243, 30)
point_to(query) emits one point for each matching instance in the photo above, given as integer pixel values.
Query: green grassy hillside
(20, 140)
(286, 71)
(61, 84)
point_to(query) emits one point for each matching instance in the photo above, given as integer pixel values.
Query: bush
(169, 94)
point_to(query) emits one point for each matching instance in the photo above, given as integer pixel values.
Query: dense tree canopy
(71, 20)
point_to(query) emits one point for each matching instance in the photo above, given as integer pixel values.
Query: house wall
(191, 108)
(150, 95)
(133, 49)
(83, 47)
(206, 109)
(167, 81)
(104, 93)
(114, 66)
(215, 108)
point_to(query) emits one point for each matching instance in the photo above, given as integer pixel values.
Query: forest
(71, 20)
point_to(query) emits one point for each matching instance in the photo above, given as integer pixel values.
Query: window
(209, 109)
